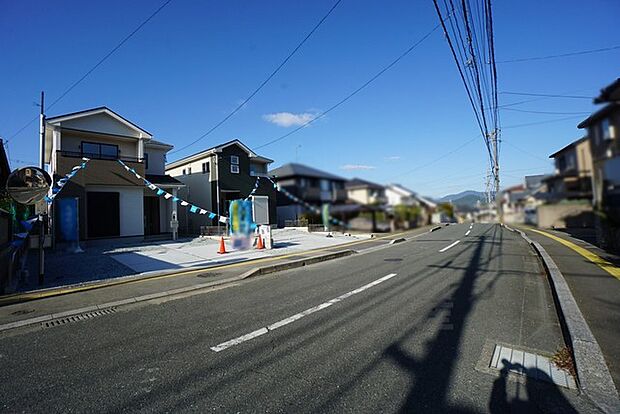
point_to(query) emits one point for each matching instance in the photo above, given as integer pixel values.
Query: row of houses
(113, 203)
(584, 190)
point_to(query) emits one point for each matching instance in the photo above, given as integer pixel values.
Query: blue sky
(195, 61)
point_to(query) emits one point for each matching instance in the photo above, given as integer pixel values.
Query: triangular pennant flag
(160, 191)
(212, 215)
(184, 203)
(153, 187)
(21, 235)
(138, 176)
(193, 209)
(77, 167)
(203, 211)
(223, 219)
(85, 159)
(167, 196)
(175, 199)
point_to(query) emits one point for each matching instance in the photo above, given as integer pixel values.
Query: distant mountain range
(465, 200)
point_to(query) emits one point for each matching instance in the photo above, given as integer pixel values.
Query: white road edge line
(297, 316)
(450, 246)
(467, 233)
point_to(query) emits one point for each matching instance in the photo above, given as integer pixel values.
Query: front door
(151, 215)
(102, 214)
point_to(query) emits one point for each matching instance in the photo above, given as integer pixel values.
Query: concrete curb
(435, 229)
(399, 240)
(258, 271)
(594, 377)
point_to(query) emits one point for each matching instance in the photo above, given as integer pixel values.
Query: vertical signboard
(68, 222)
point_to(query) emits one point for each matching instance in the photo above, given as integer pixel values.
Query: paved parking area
(203, 251)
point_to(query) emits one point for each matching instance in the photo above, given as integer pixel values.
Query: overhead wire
(263, 83)
(94, 67)
(352, 94)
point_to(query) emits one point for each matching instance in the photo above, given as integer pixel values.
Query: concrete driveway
(203, 251)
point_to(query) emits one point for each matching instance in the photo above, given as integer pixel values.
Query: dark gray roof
(569, 146)
(162, 179)
(609, 93)
(359, 183)
(601, 113)
(300, 170)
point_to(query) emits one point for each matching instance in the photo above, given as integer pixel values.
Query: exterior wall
(157, 160)
(584, 158)
(196, 167)
(360, 195)
(198, 192)
(242, 182)
(565, 216)
(101, 123)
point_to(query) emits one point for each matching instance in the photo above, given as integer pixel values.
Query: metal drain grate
(530, 365)
(79, 317)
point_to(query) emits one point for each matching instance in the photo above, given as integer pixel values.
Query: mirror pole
(41, 214)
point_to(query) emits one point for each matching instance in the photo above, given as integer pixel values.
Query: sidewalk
(79, 296)
(593, 284)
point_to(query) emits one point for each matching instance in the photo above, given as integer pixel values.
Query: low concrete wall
(565, 216)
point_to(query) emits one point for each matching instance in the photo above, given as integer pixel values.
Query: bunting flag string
(21, 237)
(307, 205)
(64, 180)
(255, 187)
(163, 193)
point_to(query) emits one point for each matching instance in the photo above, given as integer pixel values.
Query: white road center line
(467, 233)
(283, 322)
(450, 246)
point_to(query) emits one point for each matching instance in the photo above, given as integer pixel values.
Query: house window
(146, 160)
(205, 167)
(99, 151)
(302, 182)
(234, 160)
(234, 169)
(189, 170)
(325, 185)
(183, 172)
(605, 130)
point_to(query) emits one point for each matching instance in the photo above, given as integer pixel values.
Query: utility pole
(494, 141)
(42, 215)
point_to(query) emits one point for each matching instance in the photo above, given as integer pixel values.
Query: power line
(542, 122)
(547, 95)
(263, 83)
(582, 52)
(92, 69)
(352, 94)
(441, 157)
(546, 160)
(545, 112)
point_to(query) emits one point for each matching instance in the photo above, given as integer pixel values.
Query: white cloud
(288, 119)
(357, 167)
(393, 158)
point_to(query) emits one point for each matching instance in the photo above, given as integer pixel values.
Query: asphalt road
(401, 329)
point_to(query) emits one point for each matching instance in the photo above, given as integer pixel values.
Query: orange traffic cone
(222, 247)
(260, 245)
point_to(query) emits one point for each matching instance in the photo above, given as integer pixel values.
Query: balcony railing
(78, 154)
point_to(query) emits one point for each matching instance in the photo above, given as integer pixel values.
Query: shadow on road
(541, 394)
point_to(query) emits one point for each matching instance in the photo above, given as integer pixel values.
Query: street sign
(28, 185)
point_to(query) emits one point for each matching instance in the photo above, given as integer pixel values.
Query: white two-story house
(111, 201)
